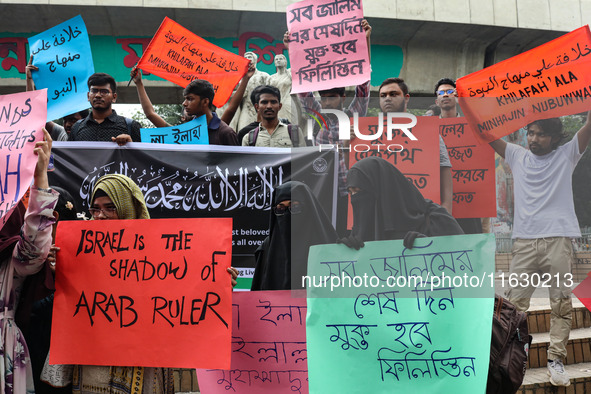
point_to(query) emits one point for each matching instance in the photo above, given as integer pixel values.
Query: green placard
(407, 337)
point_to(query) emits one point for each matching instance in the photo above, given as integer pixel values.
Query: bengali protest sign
(64, 59)
(401, 334)
(193, 132)
(327, 47)
(22, 117)
(473, 170)
(268, 346)
(548, 81)
(126, 287)
(201, 181)
(180, 56)
(417, 159)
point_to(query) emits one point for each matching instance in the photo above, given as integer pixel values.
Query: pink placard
(268, 346)
(327, 48)
(22, 117)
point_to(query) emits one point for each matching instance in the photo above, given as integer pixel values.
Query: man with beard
(272, 132)
(103, 123)
(544, 223)
(394, 97)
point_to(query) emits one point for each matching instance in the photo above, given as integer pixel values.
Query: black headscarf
(282, 256)
(11, 231)
(388, 205)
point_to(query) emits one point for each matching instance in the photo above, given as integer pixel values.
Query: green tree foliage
(171, 113)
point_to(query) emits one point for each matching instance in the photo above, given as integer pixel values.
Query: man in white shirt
(544, 224)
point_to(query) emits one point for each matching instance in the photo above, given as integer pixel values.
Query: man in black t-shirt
(103, 123)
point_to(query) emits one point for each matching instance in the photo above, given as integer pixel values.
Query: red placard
(473, 170)
(548, 81)
(151, 293)
(417, 159)
(180, 56)
(583, 291)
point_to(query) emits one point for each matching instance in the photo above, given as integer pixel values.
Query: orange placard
(151, 293)
(548, 81)
(473, 170)
(180, 56)
(417, 160)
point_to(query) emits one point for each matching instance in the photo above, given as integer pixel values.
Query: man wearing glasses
(394, 97)
(103, 123)
(446, 100)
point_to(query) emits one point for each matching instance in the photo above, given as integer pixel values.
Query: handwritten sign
(195, 180)
(179, 56)
(395, 334)
(417, 159)
(548, 81)
(63, 56)
(473, 170)
(190, 133)
(327, 47)
(142, 292)
(22, 116)
(268, 346)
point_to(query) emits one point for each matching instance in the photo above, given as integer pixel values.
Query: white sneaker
(558, 376)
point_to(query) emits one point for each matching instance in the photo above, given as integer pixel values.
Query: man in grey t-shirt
(544, 223)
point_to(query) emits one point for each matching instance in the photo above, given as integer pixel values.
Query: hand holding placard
(124, 283)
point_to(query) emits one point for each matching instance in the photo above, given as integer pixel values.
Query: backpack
(293, 136)
(509, 348)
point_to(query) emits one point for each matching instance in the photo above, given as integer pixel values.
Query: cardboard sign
(327, 47)
(151, 292)
(548, 81)
(417, 159)
(189, 133)
(395, 334)
(180, 56)
(473, 170)
(22, 117)
(268, 346)
(64, 58)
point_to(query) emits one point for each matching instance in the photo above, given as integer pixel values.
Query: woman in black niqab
(387, 206)
(285, 250)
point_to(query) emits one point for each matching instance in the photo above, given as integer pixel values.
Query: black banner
(200, 181)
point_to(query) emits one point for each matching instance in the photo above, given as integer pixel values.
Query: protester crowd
(385, 206)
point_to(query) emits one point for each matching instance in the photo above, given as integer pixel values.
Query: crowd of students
(385, 206)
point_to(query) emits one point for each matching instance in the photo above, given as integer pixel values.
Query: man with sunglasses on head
(103, 123)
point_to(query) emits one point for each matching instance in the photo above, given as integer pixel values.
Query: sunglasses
(448, 91)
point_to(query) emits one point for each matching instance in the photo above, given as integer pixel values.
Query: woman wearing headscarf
(297, 222)
(387, 206)
(118, 197)
(25, 240)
